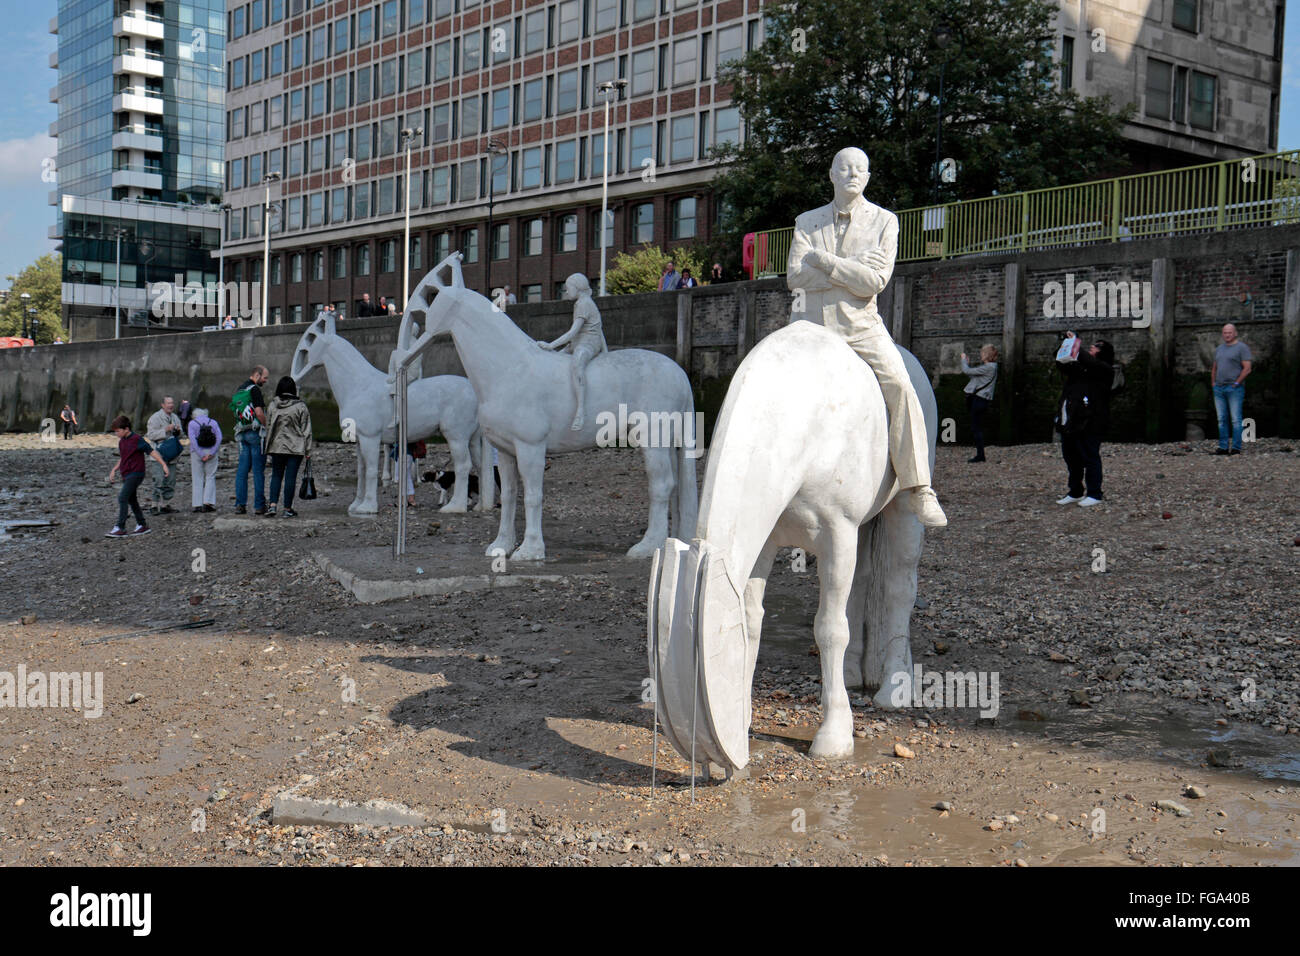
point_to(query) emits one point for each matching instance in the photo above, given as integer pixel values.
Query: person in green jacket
(288, 442)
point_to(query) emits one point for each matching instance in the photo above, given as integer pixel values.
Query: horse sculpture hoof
(529, 552)
(895, 693)
(832, 745)
(642, 549)
(454, 507)
(362, 510)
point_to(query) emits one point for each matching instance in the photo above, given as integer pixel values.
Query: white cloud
(23, 160)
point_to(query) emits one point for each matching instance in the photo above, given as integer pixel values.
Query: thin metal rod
(604, 194)
(399, 543)
(654, 642)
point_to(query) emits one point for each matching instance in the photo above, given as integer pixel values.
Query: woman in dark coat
(1083, 415)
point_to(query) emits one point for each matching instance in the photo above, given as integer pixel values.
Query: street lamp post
(607, 88)
(408, 134)
(943, 38)
(266, 243)
(27, 298)
(118, 233)
(221, 264)
(494, 149)
(33, 325)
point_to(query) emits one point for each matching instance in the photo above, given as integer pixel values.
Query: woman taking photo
(979, 393)
(288, 442)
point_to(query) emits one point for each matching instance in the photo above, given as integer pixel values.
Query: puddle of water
(1136, 726)
(136, 777)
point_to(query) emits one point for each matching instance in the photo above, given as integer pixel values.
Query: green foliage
(640, 271)
(43, 280)
(870, 77)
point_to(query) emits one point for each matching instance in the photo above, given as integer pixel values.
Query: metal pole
(117, 295)
(266, 251)
(221, 267)
(406, 244)
(399, 543)
(938, 139)
(604, 194)
(492, 196)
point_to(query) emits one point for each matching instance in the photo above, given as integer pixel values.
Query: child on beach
(132, 450)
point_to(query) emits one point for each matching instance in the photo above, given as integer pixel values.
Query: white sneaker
(1089, 502)
(925, 505)
(1068, 500)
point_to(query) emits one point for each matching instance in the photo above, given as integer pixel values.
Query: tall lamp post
(266, 243)
(221, 264)
(608, 88)
(943, 39)
(408, 134)
(27, 298)
(494, 149)
(118, 233)
(33, 325)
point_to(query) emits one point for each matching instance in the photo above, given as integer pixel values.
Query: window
(415, 252)
(441, 246)
(535, 31)
(684, 218)
(316, 217)
(386, 204)
(414, 12)
(339, 92)
(1186, 15)
(295, 267)
(501, 241)
(297, 51)
(317, 266)
(469, 245)
(440, 188)
(441, 60)
(1180, 94)
(388, 15)
(1159, 89)
(365, 142)
(319, 42)
(441, 123)
(684, 61)
(366, 26)
(339, 207)
(388, 255)
(566, 239)
(297, 155)
(566, 161)
(533, 100)
(363, 261)
(682, 148)
(388, 77)
(471, 48)
(501, 44)
(532, 293)
(570, 20)
(275, 270)
(566, 92)
(316, 161)
(726, 126)
(257, 66)
(361, 203)
(533, 238)
(1067, 63)
(342, 34)
(500, 108)
(295, 313)
(363, 85)
(388, 136)
(339, 262)
(468, 176)
(530, 168)
(317, 99)
(277, 59)
(602, 72)
(469, 116)
(606, 17)
(643, 223)
(641, 145)
(415, 69)
(644, 9)
(297, 106)
(643, 72)
(597, 161)
(730, 45)
(500, 164)
(1202, 100)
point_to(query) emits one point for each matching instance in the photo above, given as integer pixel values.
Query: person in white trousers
(842, 256)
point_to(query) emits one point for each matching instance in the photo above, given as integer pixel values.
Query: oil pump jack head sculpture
(310, 353)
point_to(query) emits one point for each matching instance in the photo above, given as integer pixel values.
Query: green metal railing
(1233, 194)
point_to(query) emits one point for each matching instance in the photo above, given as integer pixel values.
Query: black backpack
(206, 437)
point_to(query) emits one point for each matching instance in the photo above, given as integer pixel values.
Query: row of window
(558, 23)
(1180, 94)
(639, 228)
(693, 59)
(681, 139)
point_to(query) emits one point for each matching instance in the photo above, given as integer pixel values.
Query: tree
(43, 280)
(836, 73)
(640, 271)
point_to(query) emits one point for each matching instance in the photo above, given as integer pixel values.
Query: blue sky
(26, 113)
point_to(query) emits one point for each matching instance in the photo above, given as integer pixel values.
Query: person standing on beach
(131, 451)
(979, 393)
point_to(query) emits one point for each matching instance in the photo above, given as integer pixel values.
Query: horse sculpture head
(310, 353)
(427, 306)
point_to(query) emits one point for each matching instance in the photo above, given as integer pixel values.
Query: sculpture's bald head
(850, 172)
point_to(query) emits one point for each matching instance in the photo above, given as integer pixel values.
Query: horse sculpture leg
(505, 540)
(461, 462)
(369, 449)
(755, 587)
(895, 553)
(532, 466)
(659, 471)
(835, 563)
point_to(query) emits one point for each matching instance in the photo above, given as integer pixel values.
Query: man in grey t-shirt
(1232, 364)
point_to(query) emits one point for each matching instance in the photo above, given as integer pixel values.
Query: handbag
(170, 448)
(307, 490)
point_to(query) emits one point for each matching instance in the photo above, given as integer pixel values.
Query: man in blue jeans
(249, 437)
(1231, 366)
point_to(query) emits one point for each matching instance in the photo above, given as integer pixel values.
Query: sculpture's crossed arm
(867, 273)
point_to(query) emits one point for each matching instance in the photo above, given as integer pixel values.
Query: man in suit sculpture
(841, 257)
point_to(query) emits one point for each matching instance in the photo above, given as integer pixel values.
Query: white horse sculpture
(799, 457)
(443, 403)
(526, 407)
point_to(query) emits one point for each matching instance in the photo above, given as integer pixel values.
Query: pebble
(1194, 791)
(1051, 817)
(942, 805)
(1173, 806)
(900, 750)
(135, 698)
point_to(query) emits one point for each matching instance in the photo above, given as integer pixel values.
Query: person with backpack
(1083, 416)
(205, 443)
(131, 451)
(288, 442)
(249, 409)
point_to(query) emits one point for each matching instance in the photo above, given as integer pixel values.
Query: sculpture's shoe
(925, 505)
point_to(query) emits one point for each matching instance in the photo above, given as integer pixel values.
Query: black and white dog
(446, 480)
